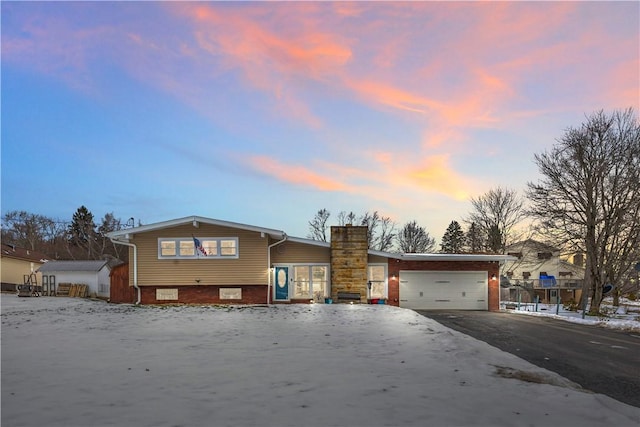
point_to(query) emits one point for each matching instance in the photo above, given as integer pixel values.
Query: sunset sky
(263, 113)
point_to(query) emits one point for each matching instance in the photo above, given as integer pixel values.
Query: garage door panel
(433, 290)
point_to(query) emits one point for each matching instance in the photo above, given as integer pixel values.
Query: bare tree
(106, 247)
(386, 234)
(589, 197)
(345, 218)
(318, 226)
(628, 283)
(55, 244)
(380, 229)
(26, 230)
(371, 221)
(497, 212)
(413, 238)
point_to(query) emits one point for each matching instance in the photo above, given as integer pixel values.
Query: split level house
(203, 260)
(538, 269)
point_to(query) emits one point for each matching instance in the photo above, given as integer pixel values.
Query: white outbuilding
(94, 274)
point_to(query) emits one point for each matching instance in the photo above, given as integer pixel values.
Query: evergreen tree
(475, 239)
(453, 240)
(82, 233)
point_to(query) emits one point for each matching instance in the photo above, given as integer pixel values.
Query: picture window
(198, 248)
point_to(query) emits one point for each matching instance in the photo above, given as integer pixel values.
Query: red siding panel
(119, 289)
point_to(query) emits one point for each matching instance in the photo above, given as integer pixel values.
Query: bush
(570, 305)
(632, 296)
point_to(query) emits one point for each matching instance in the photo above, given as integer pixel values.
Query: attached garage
(437, 290)
(446, 281)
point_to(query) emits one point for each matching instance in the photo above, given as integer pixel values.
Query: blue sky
(263, 113)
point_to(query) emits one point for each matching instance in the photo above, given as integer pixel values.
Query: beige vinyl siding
(250, 268)
(294, 252)
(13, 270)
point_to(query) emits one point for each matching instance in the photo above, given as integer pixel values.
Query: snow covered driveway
(73, 362)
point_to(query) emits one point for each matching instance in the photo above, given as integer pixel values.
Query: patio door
(281, 283)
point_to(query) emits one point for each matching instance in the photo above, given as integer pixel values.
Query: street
(600, 360)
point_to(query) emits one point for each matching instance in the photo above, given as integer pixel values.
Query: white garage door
(453, 290)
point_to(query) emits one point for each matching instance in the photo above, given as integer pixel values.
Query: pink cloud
(54, 48)
(296, 175)
(277, 63)
(392, 96)
(389, 177)
(436, 175)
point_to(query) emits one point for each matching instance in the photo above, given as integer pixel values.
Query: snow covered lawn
(74, 362)
(626, 317)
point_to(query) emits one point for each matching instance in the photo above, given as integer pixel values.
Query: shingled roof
(12, 251)
(91, 266)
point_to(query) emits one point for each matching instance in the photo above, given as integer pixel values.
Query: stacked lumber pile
(72, 290)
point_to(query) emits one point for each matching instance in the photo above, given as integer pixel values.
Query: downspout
(269, 265)
(135, 265)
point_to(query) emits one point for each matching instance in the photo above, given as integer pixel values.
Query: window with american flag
(196, 247)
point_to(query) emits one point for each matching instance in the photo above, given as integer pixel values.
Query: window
(187, 248)
(377, 275)
(166, 294)
(228, 247)
(310, 282)
(301, 282)
(230, 293)
(544, 255)
(210, 248)
(319, 282)
(168, 248)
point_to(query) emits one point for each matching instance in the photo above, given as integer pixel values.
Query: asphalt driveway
(601, 360)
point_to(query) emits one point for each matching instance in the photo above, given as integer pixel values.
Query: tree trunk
(596, 290)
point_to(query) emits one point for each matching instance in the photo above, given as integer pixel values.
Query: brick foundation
(201, 294)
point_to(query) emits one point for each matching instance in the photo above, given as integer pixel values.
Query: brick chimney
(349, 246)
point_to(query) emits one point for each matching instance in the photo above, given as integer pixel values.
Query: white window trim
(177, 241)
(327, 288)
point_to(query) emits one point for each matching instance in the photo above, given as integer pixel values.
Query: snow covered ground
(625, 317)
(76, 362)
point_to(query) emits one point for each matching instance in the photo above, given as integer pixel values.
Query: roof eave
(458, 257)
(306, 241)
(121, 235)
